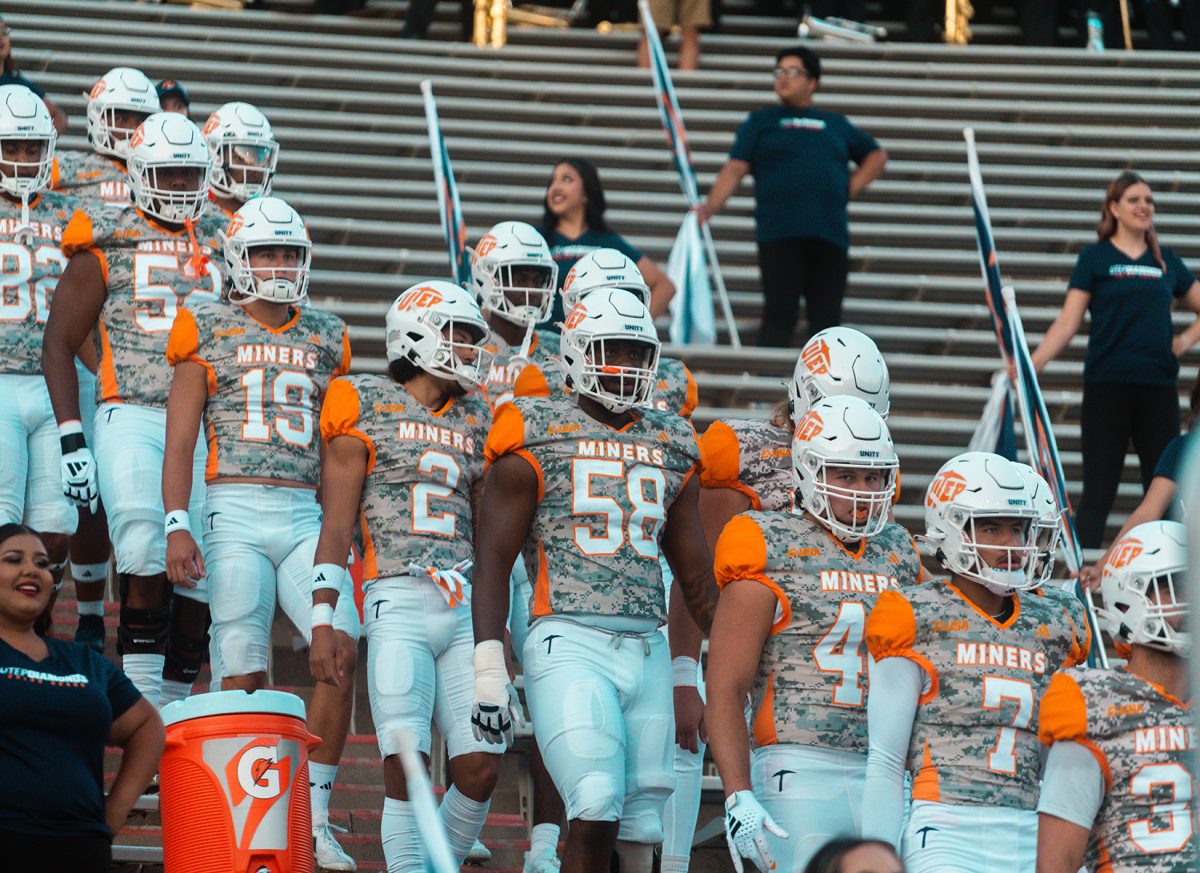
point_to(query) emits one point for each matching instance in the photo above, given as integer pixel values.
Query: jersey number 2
(18, 295)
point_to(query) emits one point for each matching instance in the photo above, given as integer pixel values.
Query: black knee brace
(188, 643)
(142, 631)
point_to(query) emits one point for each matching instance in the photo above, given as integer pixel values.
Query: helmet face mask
(610, 350)
(514, 274)
(169, 169)
(438, 327)
(998, 567)
(267, 223)
(1144, 588)
(618, 387)
(1049, 525)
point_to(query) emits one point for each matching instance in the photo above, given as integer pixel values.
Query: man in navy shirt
(800, 159)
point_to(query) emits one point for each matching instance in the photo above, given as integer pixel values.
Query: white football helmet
(239, 138)
(604, 317)
(844, 432)
(1144, 588)
(513, 261)
(968, 489)
(23, 116)
(603, 268)
(836, 361)
(420, 329)
(1048, 528)
(266, 221)
(167, 140)
(121, 88)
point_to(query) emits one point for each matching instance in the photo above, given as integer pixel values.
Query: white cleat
(544, 862)
(479, 854)
(328, 854)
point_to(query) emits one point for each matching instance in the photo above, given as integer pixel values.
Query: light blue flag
(691, 308)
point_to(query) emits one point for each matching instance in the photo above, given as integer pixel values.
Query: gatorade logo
(576, 315)
(816, 357)
(485, 246)
(945, 488)
(211, 124)
(810, 426)
(419, 298)
(257, 772)
(1124, 552)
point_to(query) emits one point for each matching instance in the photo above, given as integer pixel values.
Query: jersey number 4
(840, 651)
(645, 488)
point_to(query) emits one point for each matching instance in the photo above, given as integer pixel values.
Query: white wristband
(177, 520)
(322, 615)
(70, 426)
(683, 672)
(328, 576)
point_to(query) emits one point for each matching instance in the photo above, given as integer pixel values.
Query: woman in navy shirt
(1126, 282)
(10, 75)
(61, 703)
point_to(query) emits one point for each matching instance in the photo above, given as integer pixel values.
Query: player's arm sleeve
(896, 685)
(1072, 786)
(531, 382)
(741, 553)
(340, 416)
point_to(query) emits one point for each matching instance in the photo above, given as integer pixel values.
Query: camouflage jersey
(265, 386)
(507, 365)
(750, 456)
(603, 498)
(973, 739)
(30, 271)
(422, 464)
(149, 274)
(1142, 738)
(92, 177)
(811, 684)
(674, 391)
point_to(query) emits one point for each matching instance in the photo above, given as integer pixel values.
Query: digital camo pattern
(416, 501)
(811, 686)
(96, 179)
(593, 545)
(30, 273)
(675, 389)
(751, 456)
(265, 387)
(974, 738)
(151, 274)
(1144, 738)
(507, 366)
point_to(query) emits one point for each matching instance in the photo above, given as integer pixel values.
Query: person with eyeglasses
(10, 75)
(799, 156)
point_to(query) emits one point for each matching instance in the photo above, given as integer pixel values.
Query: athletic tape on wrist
(322, 615)
(683, 672)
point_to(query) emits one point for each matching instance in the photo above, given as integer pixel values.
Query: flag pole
(454, 228)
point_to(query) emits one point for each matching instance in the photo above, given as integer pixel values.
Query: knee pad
(142, 631)
(595, 797)
(642, 819)
(188, 639)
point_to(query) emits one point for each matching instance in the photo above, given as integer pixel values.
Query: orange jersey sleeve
(340, 414)
(77, 237)
(1063, 712)
(719, 460)
(343, 367)
(891, 632)
(531, 383)
(693, 395)
(507, 434)
(183, 344)
(741, 553)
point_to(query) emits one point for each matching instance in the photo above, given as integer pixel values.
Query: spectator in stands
(420, 16)
(173, 97)
(573, 224)
(61, 704)
(799, 156)
(690, 15)
(13, 76)
(852, 855)
(1126, 282)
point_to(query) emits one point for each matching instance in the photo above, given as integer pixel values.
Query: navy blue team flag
(1039, 433)
(454, 227)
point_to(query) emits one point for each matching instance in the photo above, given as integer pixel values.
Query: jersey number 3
(645, 487)
(1177, 811)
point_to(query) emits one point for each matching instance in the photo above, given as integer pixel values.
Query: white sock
(682, 808)
(401, 840)
(89, 572)
(89, 607)
(543, 837)
(145, 672)
(172, 690)
(320, 785)
(463, 819)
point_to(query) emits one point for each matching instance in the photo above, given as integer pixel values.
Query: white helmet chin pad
(837, 361)
(262, 222)
(840, 433)
(420, 329)
(602, 319)
(1144, 588)
(515, 277)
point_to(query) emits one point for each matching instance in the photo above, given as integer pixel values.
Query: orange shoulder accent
(183, 344)
(77, 237)
(340, 413)
(891, 627)
(764, 719)
(531, 382)
(692, 397)
(741, 553)
(55, 172)
(926, 785)
(1062, 716)
(719, 456)
(507, 434)
(1080, 649)
(344, 367)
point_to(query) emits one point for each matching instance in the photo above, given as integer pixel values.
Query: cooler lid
(264, 702)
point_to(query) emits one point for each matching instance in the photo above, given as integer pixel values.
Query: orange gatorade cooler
(234, 784)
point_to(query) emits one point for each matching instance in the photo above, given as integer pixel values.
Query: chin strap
(24, 232)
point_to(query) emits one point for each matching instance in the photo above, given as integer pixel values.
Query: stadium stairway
(1054, 126)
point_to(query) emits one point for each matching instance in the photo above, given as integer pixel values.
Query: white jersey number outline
(639, 527)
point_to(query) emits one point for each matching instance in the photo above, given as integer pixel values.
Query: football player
(404, 466)
(592, 485)
(244, 153)
(32, 220)
(119, 102)
(674, 388)
(256, 366)
(960, 665)
(795, 591)
(1118, 793)
(129, 272)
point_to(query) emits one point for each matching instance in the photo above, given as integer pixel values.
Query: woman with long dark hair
(1126, 282)
(12, 76)
(573, 224)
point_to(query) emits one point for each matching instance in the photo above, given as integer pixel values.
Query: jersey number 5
(645, 488)
(997, 689)
(1177, 811)
(157, 303)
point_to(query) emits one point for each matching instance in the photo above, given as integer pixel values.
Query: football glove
(495, 706)
(745, 823)
(78, 468)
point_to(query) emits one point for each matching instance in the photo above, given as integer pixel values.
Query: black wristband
(72, 442)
